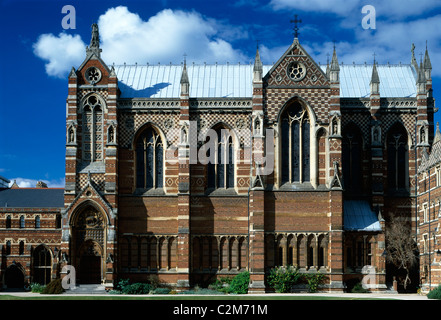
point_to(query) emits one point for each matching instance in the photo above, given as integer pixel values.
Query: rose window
(93, 75)
(296, 71)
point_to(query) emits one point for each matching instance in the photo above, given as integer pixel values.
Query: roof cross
(296, 28)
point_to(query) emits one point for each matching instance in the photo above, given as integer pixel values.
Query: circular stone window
(93, 75)
(296, 71)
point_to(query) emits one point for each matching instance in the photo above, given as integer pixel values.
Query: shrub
(222, 284)
(122, 284)
(314, 280)
(53, 287)
(239, 284)
(161, 291)
(283, 278)
(358, 288)
(137, 288)
(114, 292)
(435, 293)
(36, 287)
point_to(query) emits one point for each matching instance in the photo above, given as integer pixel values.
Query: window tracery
(295, 135)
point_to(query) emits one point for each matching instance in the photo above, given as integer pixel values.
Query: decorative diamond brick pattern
(318, 100)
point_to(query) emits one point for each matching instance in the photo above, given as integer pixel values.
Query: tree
(401, 248)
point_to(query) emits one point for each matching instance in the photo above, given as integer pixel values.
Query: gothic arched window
(8, 222)
(21, 248)
(37, 222)
(221, 172)
(295, 147)
(352, 159)
(149, 160)
(92, 129)
(22, 222)
(397, 158)
(8, 247)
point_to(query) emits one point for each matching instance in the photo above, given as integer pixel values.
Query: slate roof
(236, 80)
(32, 198)
(358, 216)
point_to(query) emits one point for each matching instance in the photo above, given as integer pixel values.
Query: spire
(427, 65)
(258, 67)
(375, 80)
(421, 81)
(185, 83)
(334, 61)
(437, 134)
(334, 69)
(94, 47)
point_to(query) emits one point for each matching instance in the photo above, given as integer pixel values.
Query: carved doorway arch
(88, 247)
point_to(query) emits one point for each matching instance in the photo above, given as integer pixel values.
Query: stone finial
(258, 67)
(427, 65)
(334, 69)
(375, 80)
(421, 81)
(185, 82)
(94, 47)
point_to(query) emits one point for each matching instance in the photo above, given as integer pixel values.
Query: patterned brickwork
(318, 100)
(363, 121)
(130, 124)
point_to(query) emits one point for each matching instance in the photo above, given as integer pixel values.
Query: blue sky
(37, 52)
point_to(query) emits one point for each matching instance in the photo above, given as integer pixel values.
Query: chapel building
(194, 172)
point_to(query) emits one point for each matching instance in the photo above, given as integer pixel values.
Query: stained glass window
(397, 157)
(149, 160)
(295, 144)
(221, 173)
(352, 159)
(92, 129)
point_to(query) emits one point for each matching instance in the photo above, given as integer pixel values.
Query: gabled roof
(32, 198)
(396, 81)
(206, 81)
(236, 81)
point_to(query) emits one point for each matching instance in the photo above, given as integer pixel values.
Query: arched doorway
(14, 277)
(42, 265)
(88, 245)
(89, 267)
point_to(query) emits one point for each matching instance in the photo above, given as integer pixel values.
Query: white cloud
(61, 52)
(127, 38)
(271, 55)
(165, 37)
